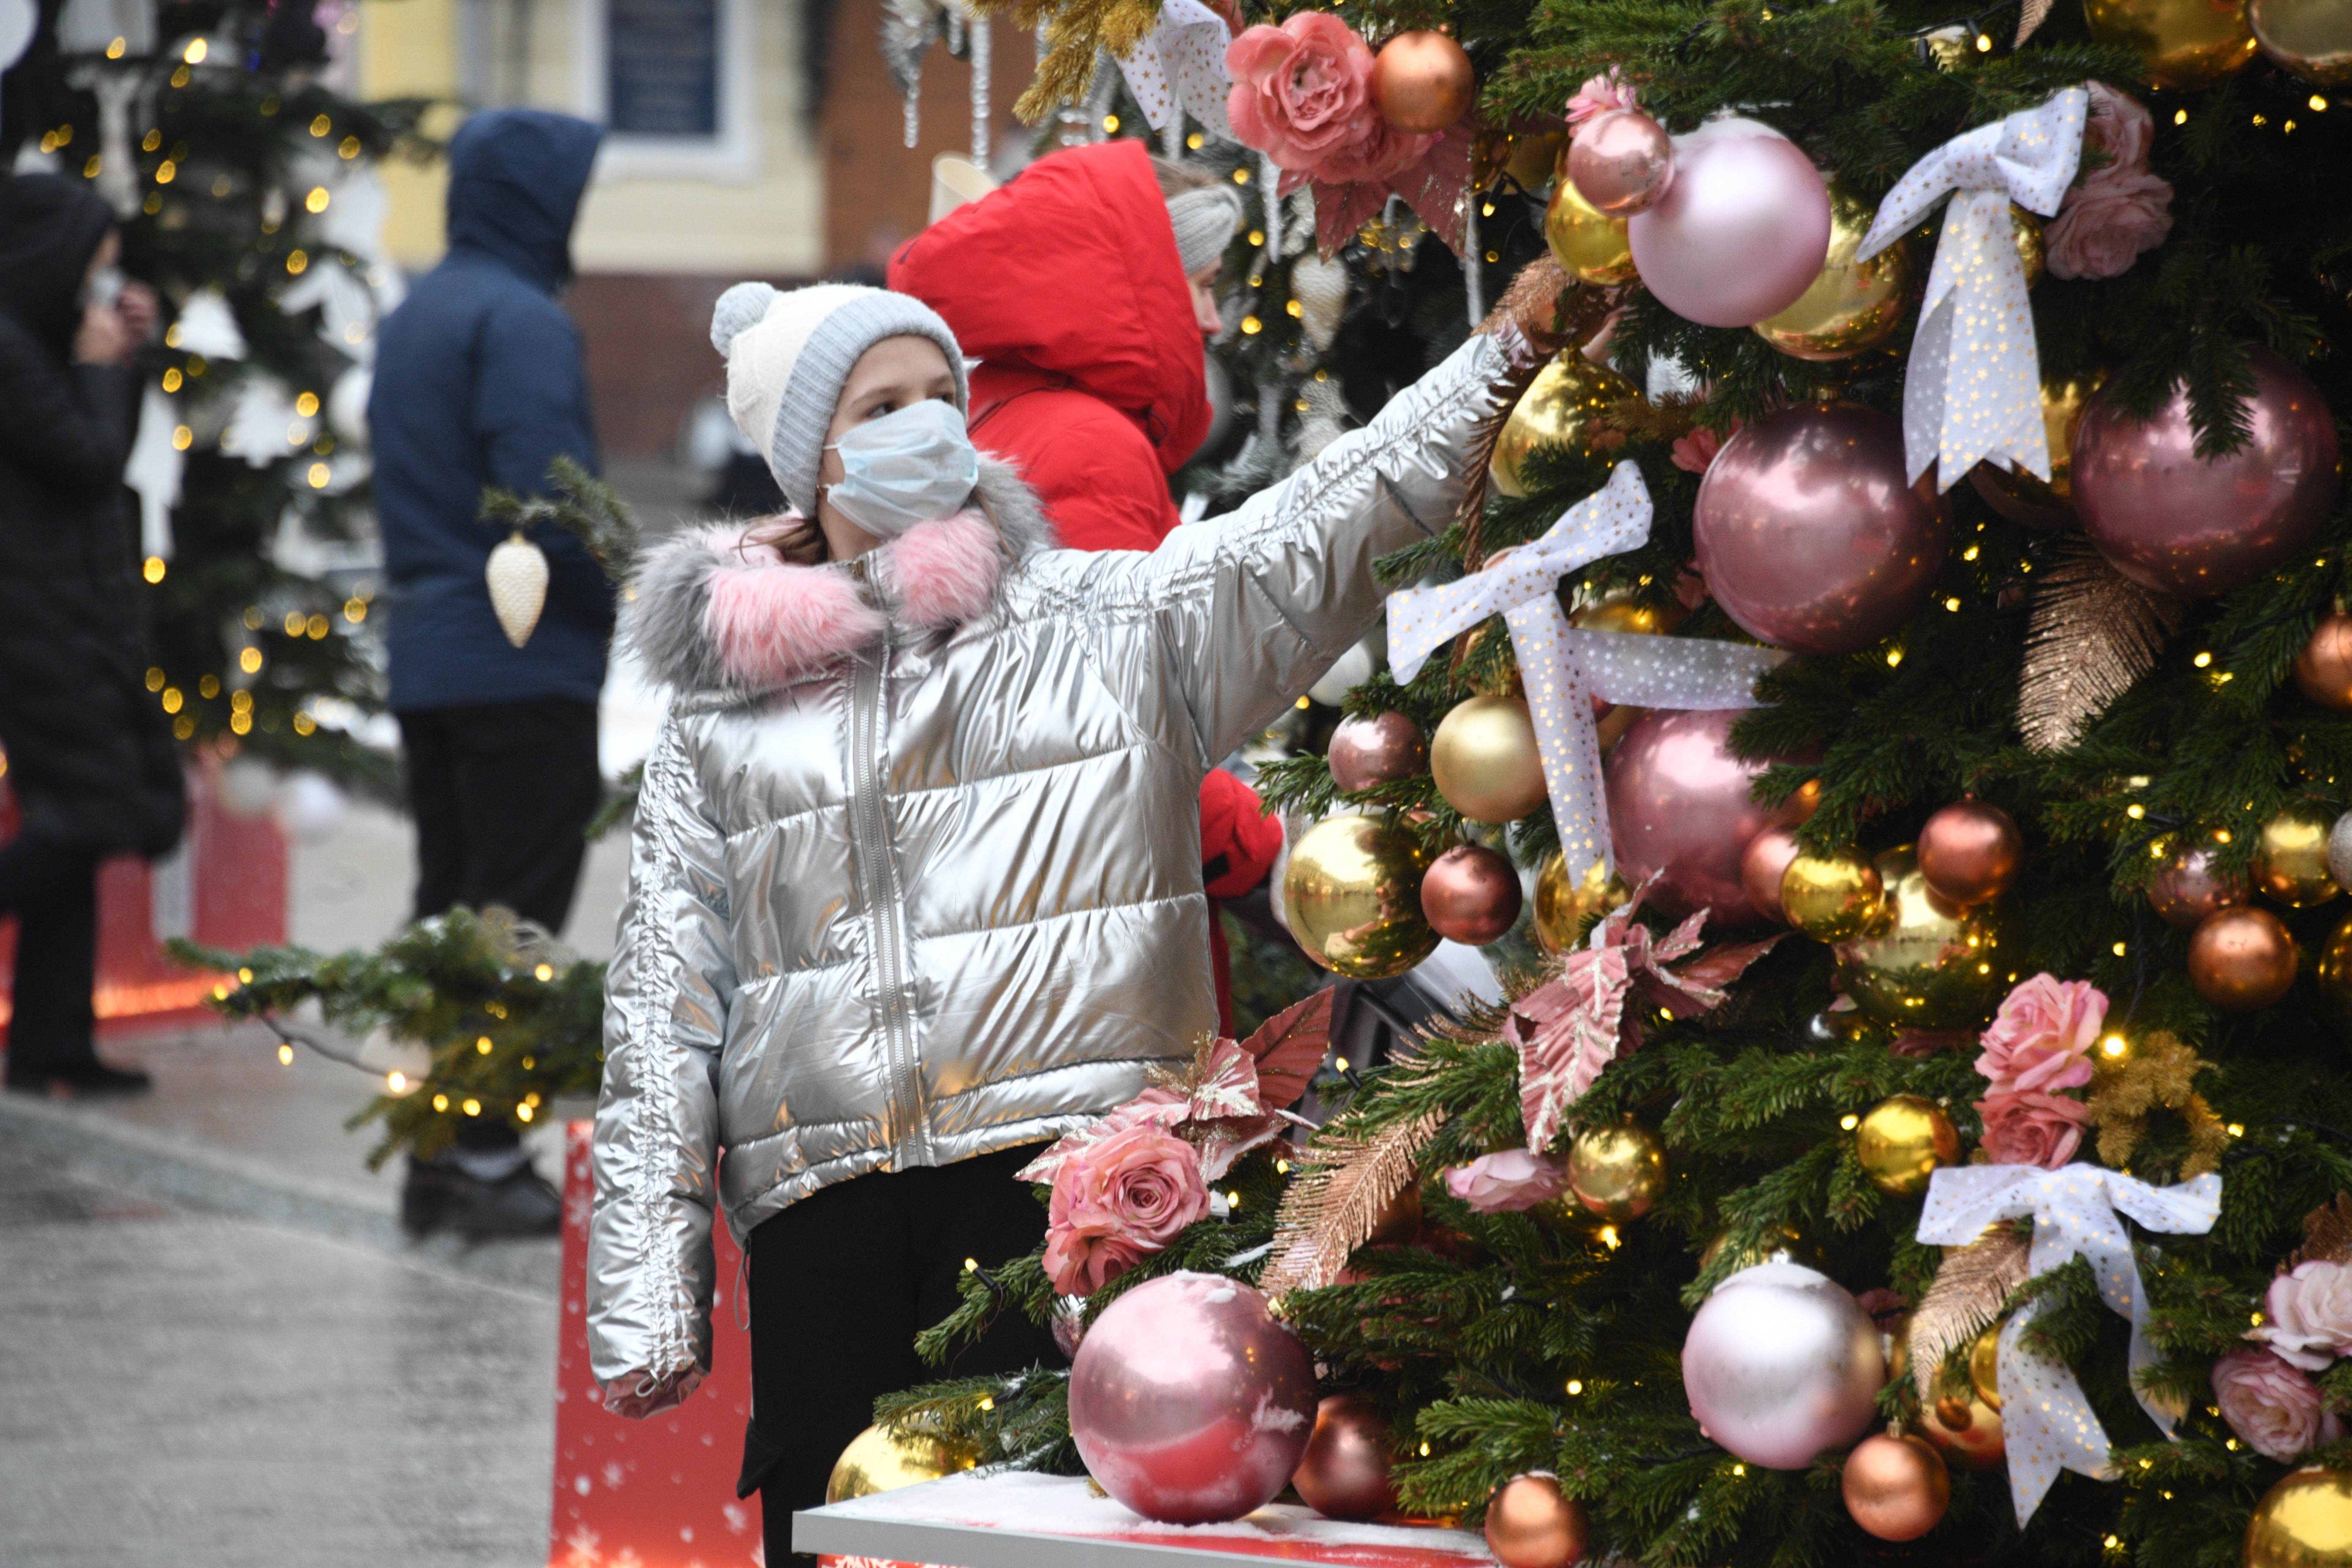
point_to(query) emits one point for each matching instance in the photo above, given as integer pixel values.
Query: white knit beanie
(788, 351)
(1204, 221)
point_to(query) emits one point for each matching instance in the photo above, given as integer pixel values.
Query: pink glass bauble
(2171, 521)
(2194, 884)
(1678, 804)
(1762, 865)
(1808, 535)
(1780, 1364)
(1380, 749)
(1188, 1402)
(1622, 161)
(1741, 232)
(1345, 1474)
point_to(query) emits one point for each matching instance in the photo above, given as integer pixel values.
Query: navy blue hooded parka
(478, 382)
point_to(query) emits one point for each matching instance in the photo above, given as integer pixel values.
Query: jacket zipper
(870, 822)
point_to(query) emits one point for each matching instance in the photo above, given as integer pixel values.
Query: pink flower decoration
(2269, 1403)
(2120, 126)
(1117, 1201)
(2042, 1037)
(1302, 95)
(2027, 1127)
(1695, 452)
(1601, 94)
(2310, 1315)
(1507, 1182)
(2118, 210)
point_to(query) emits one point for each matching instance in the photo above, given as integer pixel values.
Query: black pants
(841, 1282)
(53, 891)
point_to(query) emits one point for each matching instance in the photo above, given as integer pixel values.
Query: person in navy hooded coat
(478, 382)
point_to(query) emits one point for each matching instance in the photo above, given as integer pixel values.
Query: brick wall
(646, 337)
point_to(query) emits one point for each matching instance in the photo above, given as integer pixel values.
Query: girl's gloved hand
(634, 1396)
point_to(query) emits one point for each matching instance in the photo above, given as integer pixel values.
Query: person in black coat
(89, 760)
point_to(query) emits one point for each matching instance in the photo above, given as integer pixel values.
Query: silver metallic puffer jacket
(905, 893)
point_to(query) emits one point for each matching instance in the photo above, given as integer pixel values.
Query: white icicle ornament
(517, 576)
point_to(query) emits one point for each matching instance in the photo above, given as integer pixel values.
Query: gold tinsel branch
(2094, 632)
(1075, 30)
(1967, 1294)
(1332, 1207)
(2326, 1235)
(2157, 1072)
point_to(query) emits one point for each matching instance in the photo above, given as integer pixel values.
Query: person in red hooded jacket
(1086, 289)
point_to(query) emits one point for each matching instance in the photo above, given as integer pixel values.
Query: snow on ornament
(517, 576)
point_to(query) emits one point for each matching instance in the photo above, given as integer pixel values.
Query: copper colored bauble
(1968, 851)
(1377, 749)
(1470, 894)
(2184, 525)
(1742, 231)
(2182, 43)
(1622, 161)
(1563, 904)
(1925, 963)
(1902, 1142)
(1852, 305)
(1530, 1525)
(1678, 804)
(1345, 1474)
(1809, 534)
(1190, 1402)
(1351, 897)
(1422, 81)
(1484, 758)
(2323, 670)
(2305, 1522)
(1896, 1488)
(1561, 407)
(1762, 865)
(1617, 1172)
(2193, 885)
(1829, 897)
(2241, 959)
(2308, 39)
(1780, 1364)
(2291, 856)
(875, 1461)
(2025, 498)
(1588, 243)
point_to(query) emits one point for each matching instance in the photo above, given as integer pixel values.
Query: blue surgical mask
(909, 467)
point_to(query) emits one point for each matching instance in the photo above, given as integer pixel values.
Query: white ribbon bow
(2046, 1422)
(1179, 67)
(1563, 668)
(1974, 387)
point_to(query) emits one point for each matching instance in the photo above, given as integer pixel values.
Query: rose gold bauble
(1896, 1487)
(1969, 852)
(1345, 1474)
(1742, 231)
(1762, 865)
(1809, 534)
(2241, 959)
(1380, 749)
(1190, 1402)
(1678, 805)
(1622, 161)
(2171, 520)
(2323, 670)
(2193, 885)
(1470, 894)
(1422, 81)
(1530, 1525)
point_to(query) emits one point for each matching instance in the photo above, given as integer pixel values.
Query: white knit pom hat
(1204, 221)
(788, 351)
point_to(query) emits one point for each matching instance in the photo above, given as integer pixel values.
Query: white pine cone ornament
(517, 576)
(1320, 287)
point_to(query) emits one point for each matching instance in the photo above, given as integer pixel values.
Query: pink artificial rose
(1695, 452)
(2117, 210)
(2120, 126)
(2042, 1037)
(2310, 1313)
(1507, 1182)
(2027, 1127)
(2273, 1406)
(1601, 94)
(1116, 1201)
(1302, 95)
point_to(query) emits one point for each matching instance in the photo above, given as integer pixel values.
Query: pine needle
(1333, 1207)
(1966, 1296)
(2094, 633)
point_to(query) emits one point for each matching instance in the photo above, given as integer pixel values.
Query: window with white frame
(672, 80)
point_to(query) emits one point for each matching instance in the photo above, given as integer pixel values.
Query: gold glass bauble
(2182, 43)
(1593, 247)
(1622, 612)
(875, 1461)
(1617, 1172)
(1485, 760)
(1829, 897)
(2305, 1522)
(1852, 305)
(2025, 232)
(1965, 1430)
(1923, 963)
(2308, 39)
(1352, 897)
(1563, 903)
(1984, 1366)
(2333, 973)
(2291, 856)
(1559, 408)
(1902, 1141)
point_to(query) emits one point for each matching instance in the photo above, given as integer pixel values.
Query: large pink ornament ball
(1678, 805)
(1741, 231)
(1810, 536)
(1781, 1363)
(2171, 520)
(1189, 1402)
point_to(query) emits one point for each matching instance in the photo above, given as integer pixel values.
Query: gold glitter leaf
(2029, 18)
(1336, 1203)
(1967, 1294)
(2094, 632)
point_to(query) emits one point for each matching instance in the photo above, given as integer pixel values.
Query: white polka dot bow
(1974, 387)
(1179, 68)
